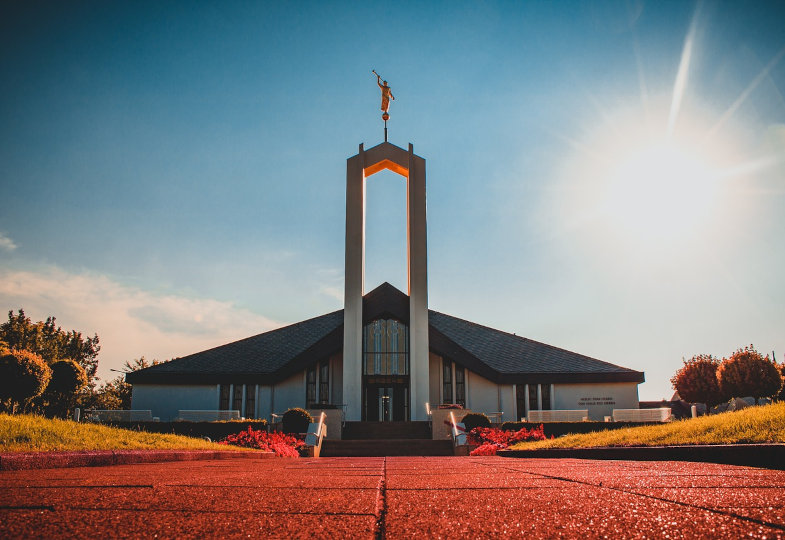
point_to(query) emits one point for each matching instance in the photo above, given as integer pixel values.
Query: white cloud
(6, 243)
(332, 292)
(130, 322)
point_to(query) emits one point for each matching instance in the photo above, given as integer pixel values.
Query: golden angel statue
(386, 95)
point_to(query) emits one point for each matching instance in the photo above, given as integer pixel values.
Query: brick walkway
(395, 497)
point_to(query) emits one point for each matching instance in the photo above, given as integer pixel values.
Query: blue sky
(606, 177)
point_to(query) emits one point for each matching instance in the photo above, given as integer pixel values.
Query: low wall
(440, 430)
(332, 419)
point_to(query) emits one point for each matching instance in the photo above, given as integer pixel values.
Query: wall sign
(589, 401)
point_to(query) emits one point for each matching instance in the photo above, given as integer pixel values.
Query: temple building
(385, 356)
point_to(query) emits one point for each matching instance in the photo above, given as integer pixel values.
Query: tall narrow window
(533, 406)
(324, 382)
(546, 396)
(520, 399)
(310, 386)
(446, 381)
(250, 401)
(460, 385)
(223, 400)
(385, 348)
(237, 402)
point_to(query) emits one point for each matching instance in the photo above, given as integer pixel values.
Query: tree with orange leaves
(696, 381)
(749, 373)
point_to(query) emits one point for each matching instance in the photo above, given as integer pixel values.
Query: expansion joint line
(661, 499)
(381, 504)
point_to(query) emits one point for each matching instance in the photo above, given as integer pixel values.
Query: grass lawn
(25, 433)
(764, 424)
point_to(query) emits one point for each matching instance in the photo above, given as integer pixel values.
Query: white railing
(662, 414)
(317, 431)
(495, 417)
(113, 415)
(189, 415)
(458, 431)
(559, 415)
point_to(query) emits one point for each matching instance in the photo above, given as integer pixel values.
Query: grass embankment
(25, 433)
(764, 424)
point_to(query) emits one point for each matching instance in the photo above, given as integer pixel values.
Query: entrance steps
(386, 430)
(364, 439)
(386, 447)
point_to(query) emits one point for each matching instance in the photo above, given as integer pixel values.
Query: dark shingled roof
(518, 359)
(496, 355)
(259, 357)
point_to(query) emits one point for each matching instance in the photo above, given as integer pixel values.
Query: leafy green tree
(23, 376)
(696, 381)
(116, 394)
(51, 342)
(68, 379)
(748, 373)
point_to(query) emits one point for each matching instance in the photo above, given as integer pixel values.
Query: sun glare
(659, 191)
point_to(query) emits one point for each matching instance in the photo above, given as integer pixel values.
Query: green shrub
(473, 420)
(23, 376)
(296, 420)
(68, 378)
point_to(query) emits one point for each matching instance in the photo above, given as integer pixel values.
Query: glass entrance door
(386, 402)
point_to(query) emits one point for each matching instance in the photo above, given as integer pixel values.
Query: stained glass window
(386, 348)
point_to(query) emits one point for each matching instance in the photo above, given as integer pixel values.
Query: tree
(23, 376)
(748, 373)
(116, 394)
(68, 378)
(696, 381)
(51, 342)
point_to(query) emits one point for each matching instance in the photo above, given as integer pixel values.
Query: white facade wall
(264, 402)
(336, 379)
(289, 393)
(507, 403)
(434, 380)
(599, 398)
(482, 394)
(166, 400)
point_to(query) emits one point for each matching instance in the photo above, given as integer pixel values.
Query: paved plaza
(395, 497)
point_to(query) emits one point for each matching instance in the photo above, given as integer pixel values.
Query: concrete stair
(386, 430)
(363, 439)
(386, 447)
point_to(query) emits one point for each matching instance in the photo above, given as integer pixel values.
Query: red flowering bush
(491, 440)
(282, 444)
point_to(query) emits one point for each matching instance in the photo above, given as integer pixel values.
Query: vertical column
(418, 285)
(353, 285)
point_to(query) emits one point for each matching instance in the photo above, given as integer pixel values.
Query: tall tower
(412, 168)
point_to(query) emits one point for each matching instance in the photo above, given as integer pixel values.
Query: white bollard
(694, 411)
(77, 414)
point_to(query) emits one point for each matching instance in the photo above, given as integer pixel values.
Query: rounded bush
(749, 373)
(296, 420)
(23, 376)
(474, 420)
(68, 377)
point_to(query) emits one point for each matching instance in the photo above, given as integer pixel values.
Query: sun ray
(680, 84)
(746, 93)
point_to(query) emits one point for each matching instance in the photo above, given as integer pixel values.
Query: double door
(386, 402)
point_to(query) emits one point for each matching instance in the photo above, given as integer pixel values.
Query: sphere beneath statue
(385, 117)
